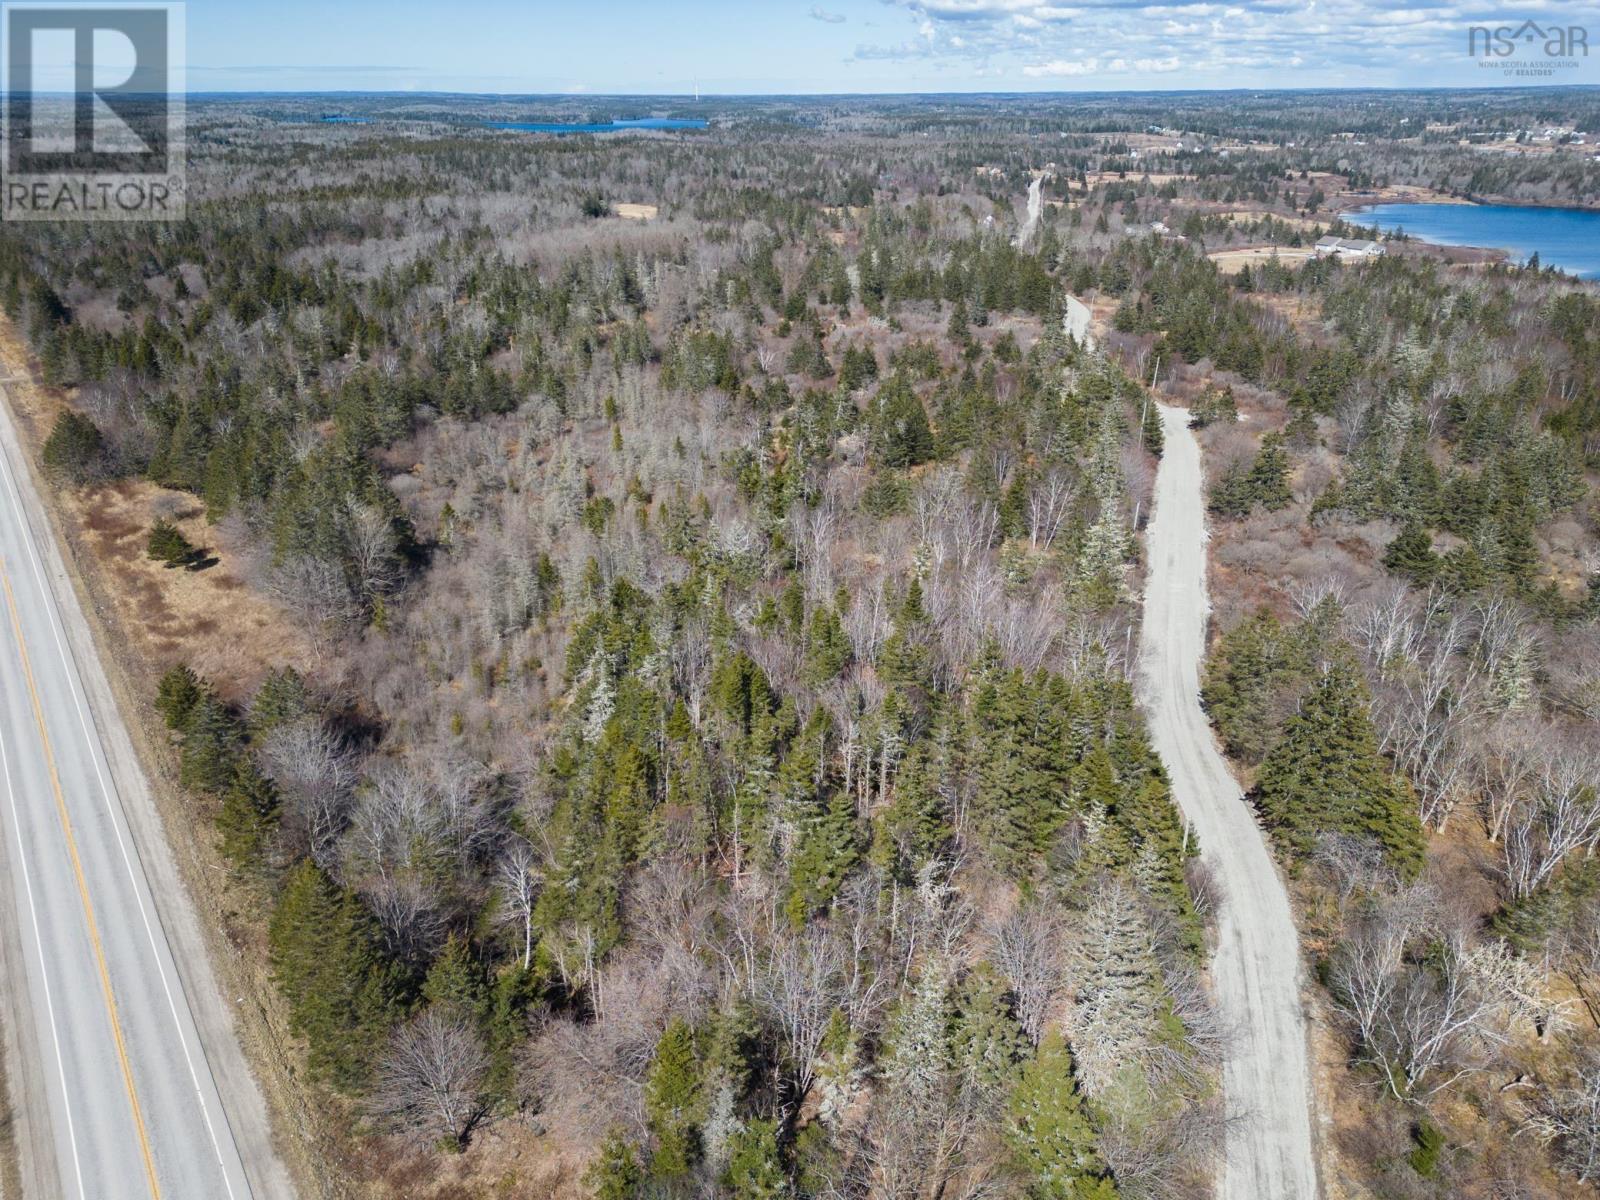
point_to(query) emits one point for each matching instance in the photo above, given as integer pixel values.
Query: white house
(1333, 247)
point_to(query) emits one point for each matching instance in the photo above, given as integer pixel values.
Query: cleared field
(1232, 260)
(638, 212)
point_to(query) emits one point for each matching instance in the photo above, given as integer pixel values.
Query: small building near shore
(1335, 247)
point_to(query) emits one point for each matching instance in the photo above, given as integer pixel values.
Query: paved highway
(116, 1060)
(1256, 968)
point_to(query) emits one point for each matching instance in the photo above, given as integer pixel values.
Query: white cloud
(1230, 43)
(1062, 68)
(818, 13)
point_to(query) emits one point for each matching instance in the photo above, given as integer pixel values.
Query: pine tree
(1326, 775)
(1050, 1134)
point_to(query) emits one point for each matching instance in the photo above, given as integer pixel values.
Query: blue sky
(773, 46)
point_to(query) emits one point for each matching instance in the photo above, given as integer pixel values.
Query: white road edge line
(44, 970)
(73, 686)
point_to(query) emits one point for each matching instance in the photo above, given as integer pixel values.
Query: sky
(776, 46)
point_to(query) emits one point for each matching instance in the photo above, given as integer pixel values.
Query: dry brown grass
(1252, 256)
(1244, 216)
(208, 618)
(638, 212)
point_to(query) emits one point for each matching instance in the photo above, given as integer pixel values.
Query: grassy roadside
(232, 921)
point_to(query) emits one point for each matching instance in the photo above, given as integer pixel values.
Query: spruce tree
(455, 984)
(1326, 775)
(341, 994)
(211, 745)
(74, 451)
(826, 855)
(614, 1174)
(248, 817)
(670, 1091)
(1049, 1132)
(755, 1171)
(986, 1042)
(1411, 555)
(177, 695)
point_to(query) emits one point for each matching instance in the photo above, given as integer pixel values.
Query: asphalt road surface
(1256, 968)
(117, 1060)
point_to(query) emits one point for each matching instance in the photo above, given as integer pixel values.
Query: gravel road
(1256, 968)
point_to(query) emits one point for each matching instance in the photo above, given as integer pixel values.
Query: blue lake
(608, 127)
(1568, 238)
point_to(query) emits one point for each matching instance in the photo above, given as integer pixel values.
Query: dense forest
(718, 770)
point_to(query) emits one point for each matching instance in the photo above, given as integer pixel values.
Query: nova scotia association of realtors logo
(1528, 50)
(93, 122)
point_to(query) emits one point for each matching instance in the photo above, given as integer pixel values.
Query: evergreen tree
(177, 695)
(1251, 683)
(986, 1042)
(901, 436)
(211, 745)
(755, 1172)
(248, 817)
(74, 451)
(342, 996)
(455, 985)
(1326, 775)
(914, 828)
(282, 697)
(669, 1096)
(1021, 797)
(167, 545)
(827, 645)
(1049, 1132)
(826, 855)
(1411, 555)
(614, 1174)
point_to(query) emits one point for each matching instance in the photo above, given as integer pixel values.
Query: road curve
(118, 1059)
(1256, 967)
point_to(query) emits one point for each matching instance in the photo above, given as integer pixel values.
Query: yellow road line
(83, 890)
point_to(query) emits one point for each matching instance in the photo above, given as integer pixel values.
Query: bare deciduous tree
(1029, 950)
(431, 1081)
(1568, 1116)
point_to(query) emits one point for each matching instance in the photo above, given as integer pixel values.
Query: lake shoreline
(1560, 236)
